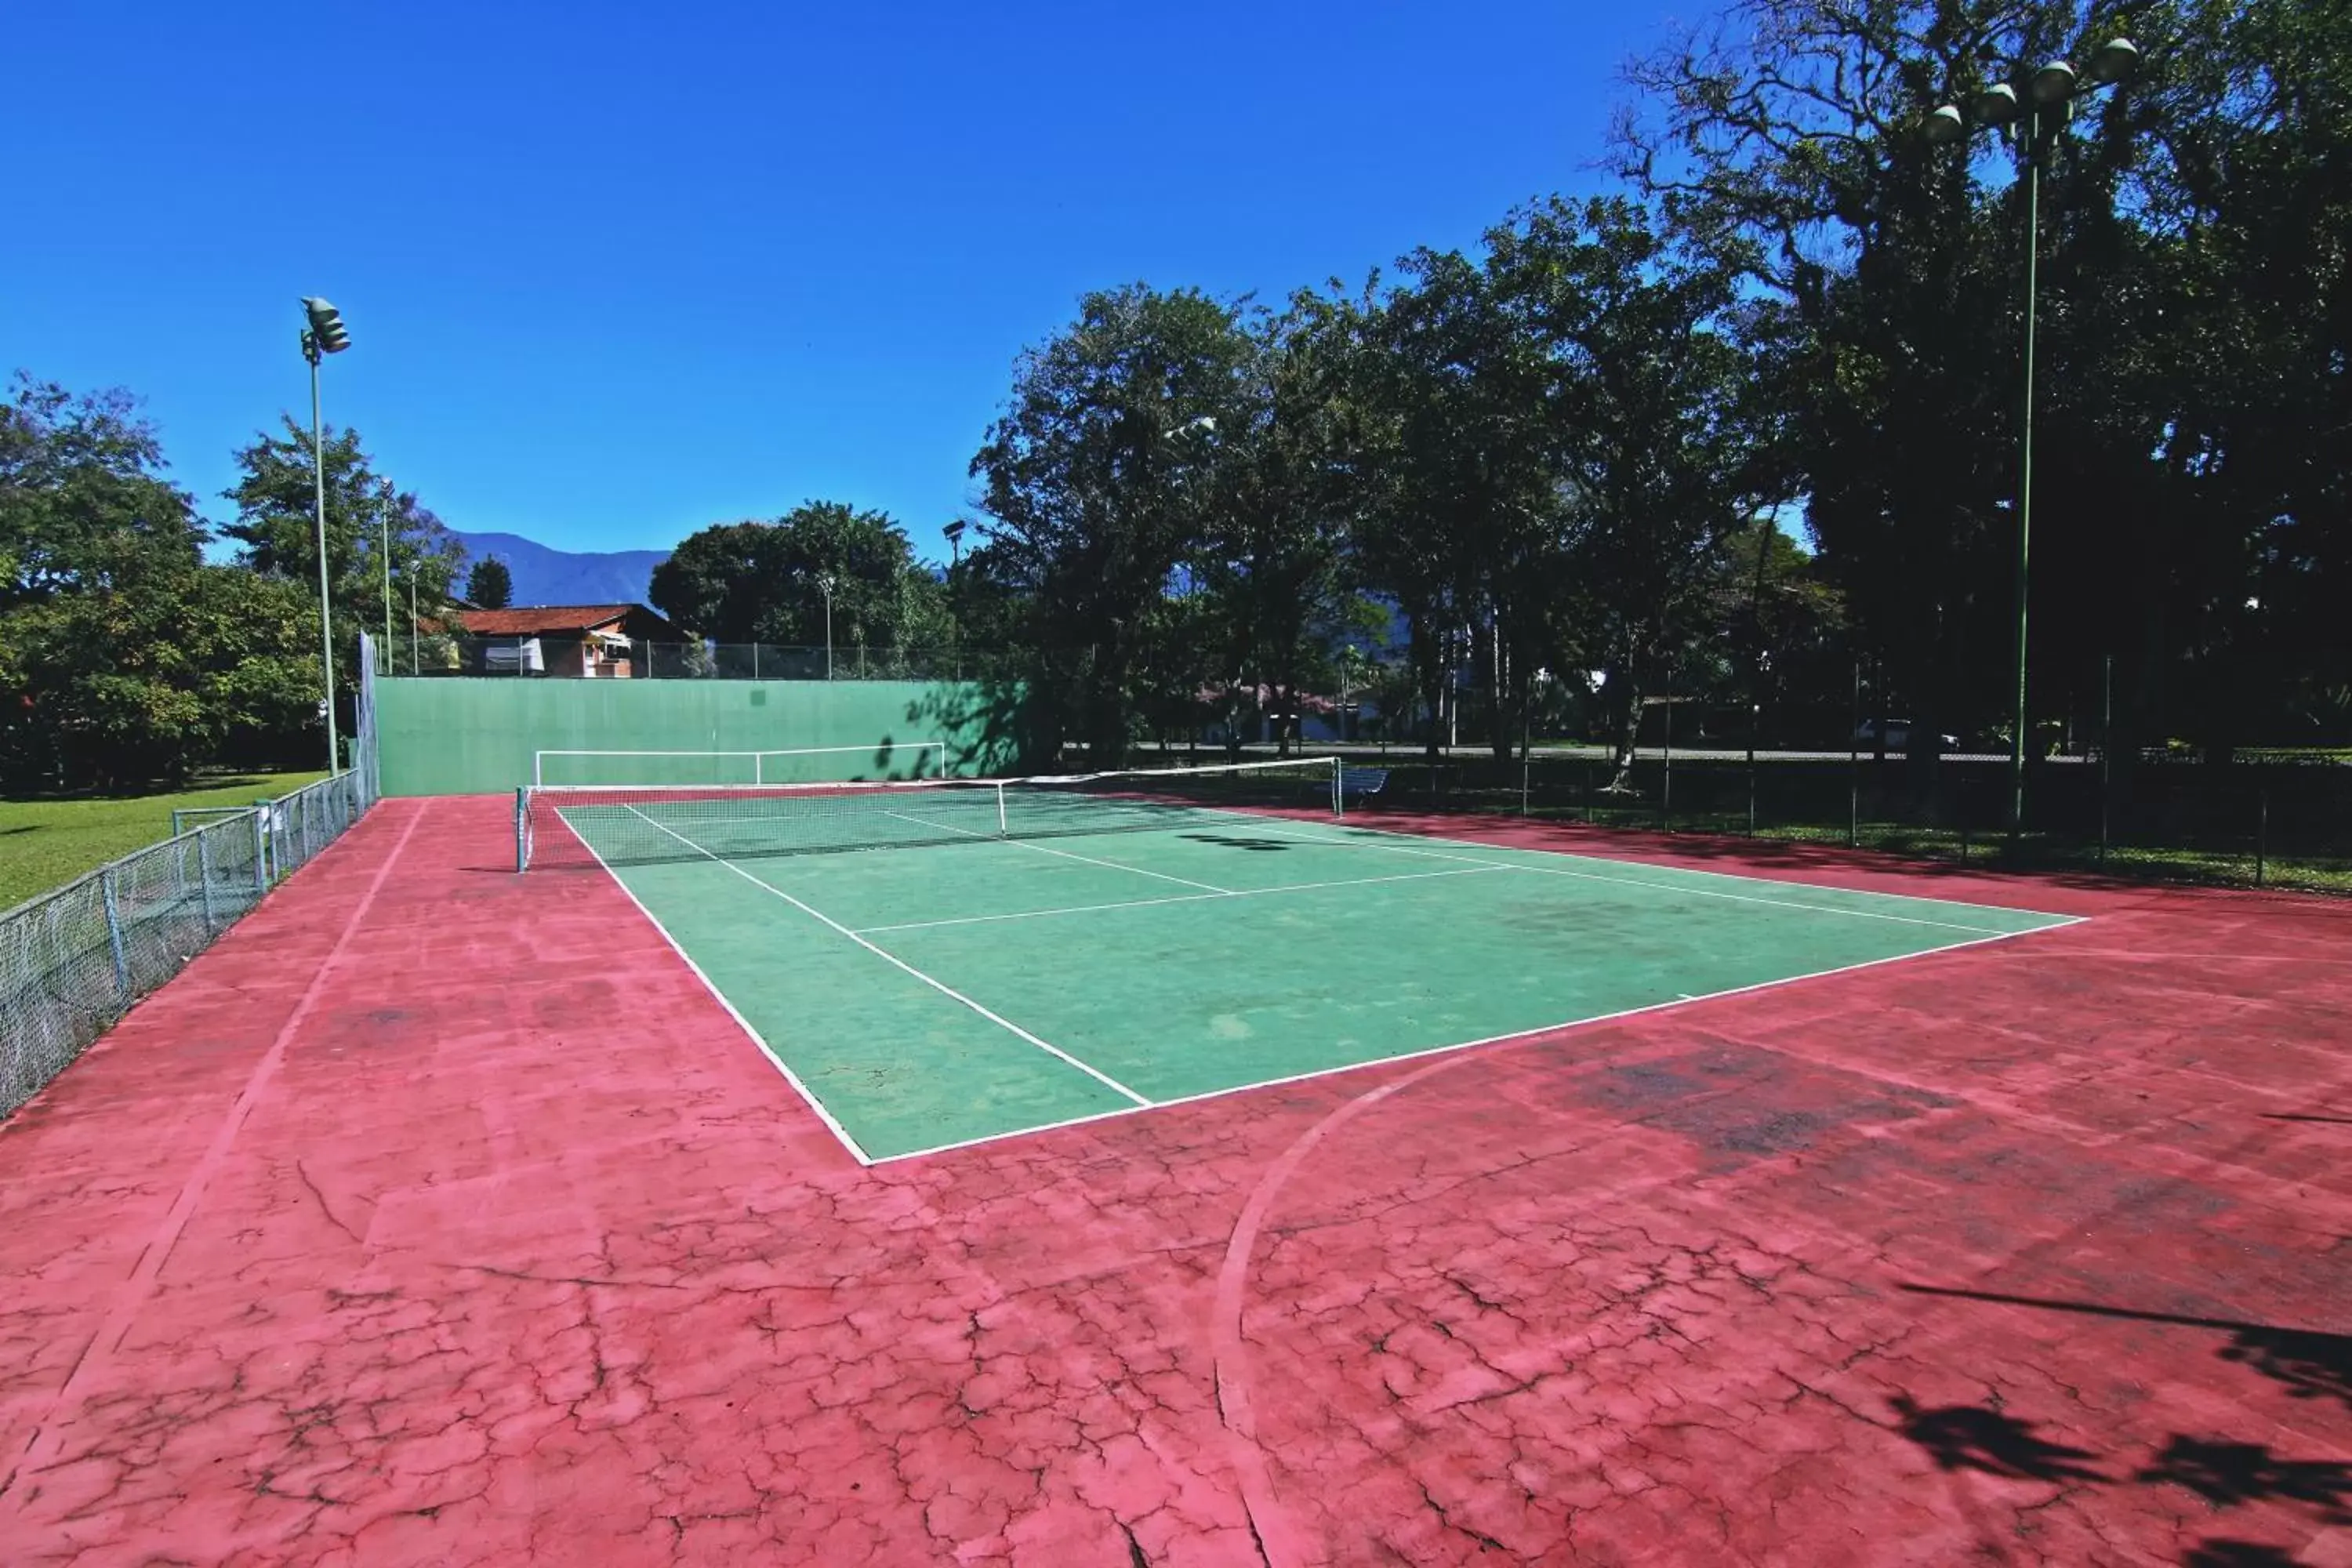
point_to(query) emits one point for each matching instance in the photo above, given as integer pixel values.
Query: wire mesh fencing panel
(2261, 823)
(72, 962)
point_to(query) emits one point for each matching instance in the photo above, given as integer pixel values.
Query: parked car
(1898, 736)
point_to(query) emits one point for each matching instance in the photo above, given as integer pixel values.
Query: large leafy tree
(1458, 475)
(1662, 454)
(764, 581)
(1091, 481)
(1270, 562)
(130, 658)
(277, 530)
(2191, 407)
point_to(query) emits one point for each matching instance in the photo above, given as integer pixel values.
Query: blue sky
(612, 273)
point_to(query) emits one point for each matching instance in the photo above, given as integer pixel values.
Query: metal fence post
(2261, 831)
(205, 875)
(1667, 754)
(2107, 745)
(114, 932)
(261, 852)
(1854, 765)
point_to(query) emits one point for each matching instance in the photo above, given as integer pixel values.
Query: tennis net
(583, 826)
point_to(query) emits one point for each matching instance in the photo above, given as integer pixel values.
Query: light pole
(389, 497)
(2035, 121)
(824, 581)
(953, 533)
(324, 335)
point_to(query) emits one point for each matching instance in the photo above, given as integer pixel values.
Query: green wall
(456, 735)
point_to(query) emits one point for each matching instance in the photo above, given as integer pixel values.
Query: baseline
(1369, 841)
(1512, 1038)
(775, 1057)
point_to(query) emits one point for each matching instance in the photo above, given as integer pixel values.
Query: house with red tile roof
(603, 641)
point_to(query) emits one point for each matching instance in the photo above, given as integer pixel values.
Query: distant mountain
(544, 576)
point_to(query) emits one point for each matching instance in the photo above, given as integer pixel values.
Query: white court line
(775, 1057)
(939, 985)
(1179, 898)
(1516, 1034)
(1380, 843)
(1064, 854)
(1740, 877)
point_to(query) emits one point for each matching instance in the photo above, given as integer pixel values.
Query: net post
(1339, 789)
(1002, 831)
(522, 829)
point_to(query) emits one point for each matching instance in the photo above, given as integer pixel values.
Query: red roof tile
(531, 620)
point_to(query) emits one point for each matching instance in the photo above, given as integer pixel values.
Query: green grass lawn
(45, 843)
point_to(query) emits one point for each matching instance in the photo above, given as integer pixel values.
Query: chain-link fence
(596, 658)
(73, 961)
(2272, 822)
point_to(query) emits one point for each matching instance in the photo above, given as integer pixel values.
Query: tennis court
(937, 965)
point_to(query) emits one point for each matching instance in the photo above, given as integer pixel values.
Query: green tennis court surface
(937, 993)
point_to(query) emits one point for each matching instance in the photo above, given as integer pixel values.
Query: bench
(1362, 783)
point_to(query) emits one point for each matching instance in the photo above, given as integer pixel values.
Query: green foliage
(51, 840)
(489, 585)
(1095, 479)
(2193, 403)
(135, 660)
(766, 582)
(366, 515)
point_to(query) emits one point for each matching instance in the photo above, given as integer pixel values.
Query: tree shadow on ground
(2309, 1364)
(1229, 841)
(2225, 1474)
(1972, 1437)
(2235, 1554)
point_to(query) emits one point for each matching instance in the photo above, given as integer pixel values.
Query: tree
(1661, 456)
(83, 499)
(1090, 487)
(764, 583)
(2191, 404)
(277, 528)
(137, 662)
(1269, 560)
(489, 585)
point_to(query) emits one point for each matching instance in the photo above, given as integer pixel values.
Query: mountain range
(545, 576)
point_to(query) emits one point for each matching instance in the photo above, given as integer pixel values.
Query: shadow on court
(1232, 841)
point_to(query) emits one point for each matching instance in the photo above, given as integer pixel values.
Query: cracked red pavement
(440, 1215)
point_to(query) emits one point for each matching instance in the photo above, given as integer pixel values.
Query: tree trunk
(1429, 667)
(1624, 698)
(1502, 732)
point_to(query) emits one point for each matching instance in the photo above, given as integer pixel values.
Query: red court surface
(440, 1215)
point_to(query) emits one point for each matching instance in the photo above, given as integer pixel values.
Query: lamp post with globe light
(2033, 120)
